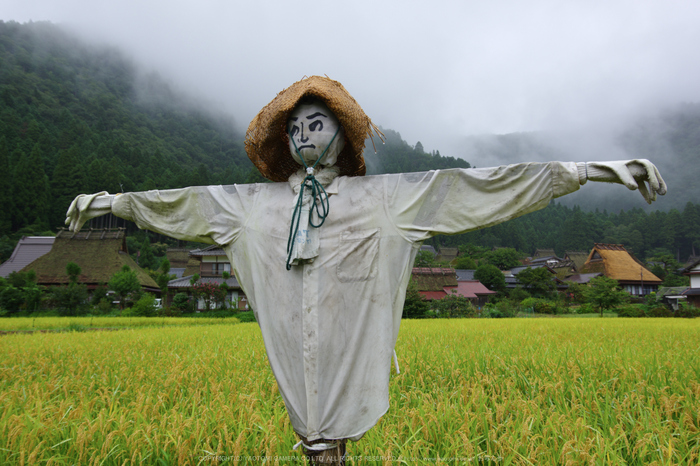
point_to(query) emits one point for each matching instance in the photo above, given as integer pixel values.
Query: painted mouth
(308, 146)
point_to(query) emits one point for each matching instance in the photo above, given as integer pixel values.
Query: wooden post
(334, 456)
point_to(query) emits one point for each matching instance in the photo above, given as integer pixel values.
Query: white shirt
(330, 326)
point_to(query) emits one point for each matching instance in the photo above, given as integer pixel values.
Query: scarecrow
(325, 254)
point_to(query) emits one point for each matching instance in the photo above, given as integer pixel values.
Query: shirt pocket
(357, 252)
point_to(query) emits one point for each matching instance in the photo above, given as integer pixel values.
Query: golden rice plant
(474, 391)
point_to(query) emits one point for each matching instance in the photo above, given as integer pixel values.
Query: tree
(11, 298)
(576, 231)
(70, 299)
(182, 302)
(464, 262)
(491, 277)
(673, 279)
(576, 292)
(7, 246)
(425, 259)
(67, 182)
(165, 265)
(517, 294)
(146, 258)
(415, 306)
(124, 283)
(503, 258)
(161, 276)
(73, 271)
(453, 306)
(31, 190)
(538, 282)
(5, 190)
(145, 307)
(220, 296)
(20, 291)
(208, 292)
(604, 293)
(666, 267)
(73, 297)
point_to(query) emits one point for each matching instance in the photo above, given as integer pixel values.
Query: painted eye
(316, 126)
(294, 131)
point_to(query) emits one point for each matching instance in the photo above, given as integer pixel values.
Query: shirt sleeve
(460, 200)
(206, 214)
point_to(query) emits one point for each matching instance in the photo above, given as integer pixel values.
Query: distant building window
(220, 267)
(639, 290)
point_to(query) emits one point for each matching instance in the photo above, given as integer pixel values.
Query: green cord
(316, 191)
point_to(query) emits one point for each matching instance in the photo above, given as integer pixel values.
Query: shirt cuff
(565, 178)
(582, 172)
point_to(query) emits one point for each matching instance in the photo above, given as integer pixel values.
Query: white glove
(83, 209)
(631, 173)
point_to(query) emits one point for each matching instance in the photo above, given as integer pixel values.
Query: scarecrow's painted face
(311, 128)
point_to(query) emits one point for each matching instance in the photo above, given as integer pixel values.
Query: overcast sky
(434, 71)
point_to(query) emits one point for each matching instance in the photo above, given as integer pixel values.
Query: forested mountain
(397, 156)
(571, 229)
(670, 138)
(79, 119)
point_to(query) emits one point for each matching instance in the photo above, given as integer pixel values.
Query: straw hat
(266, 139)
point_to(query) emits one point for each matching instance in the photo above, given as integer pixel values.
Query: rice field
(15, 324)
(471, 391)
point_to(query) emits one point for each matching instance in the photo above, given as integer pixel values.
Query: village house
(210, 264)
(447, 255)
(27, 250)
(543, 257)
(99, 254)
(692, 294)
(614, 261)
(438, 282)
(567, 269)
(182, 264)
(512, 279)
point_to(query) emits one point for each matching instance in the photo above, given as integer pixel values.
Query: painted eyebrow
(293, 118)
(317, 114)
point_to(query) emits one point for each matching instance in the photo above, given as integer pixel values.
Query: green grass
(489, 391)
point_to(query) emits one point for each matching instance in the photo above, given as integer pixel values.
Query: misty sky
(434, 71)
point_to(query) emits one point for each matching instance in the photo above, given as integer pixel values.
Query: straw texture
(266, 139)
(615, 262)
(99, 253)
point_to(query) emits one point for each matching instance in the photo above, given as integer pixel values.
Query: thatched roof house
(99, 253)
(447, 254)
(543, 253)
(613, 261)
(433, 279)
(182, 264)
(439, 282)
(579, 258)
